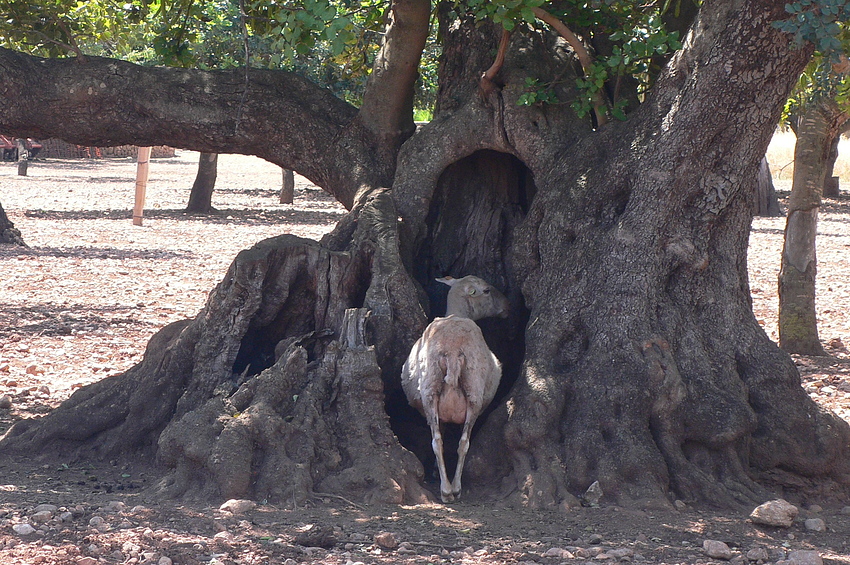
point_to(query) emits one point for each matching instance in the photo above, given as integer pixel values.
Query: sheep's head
(474, 298)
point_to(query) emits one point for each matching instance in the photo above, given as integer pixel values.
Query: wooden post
(141, 183)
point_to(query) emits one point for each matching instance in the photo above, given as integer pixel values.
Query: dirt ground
(82, 301)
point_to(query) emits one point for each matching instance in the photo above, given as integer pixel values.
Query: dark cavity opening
(478, 203)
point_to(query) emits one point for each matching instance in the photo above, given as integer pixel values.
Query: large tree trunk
(9, 234)
(200, 197)
(631, 356)
(817, 126)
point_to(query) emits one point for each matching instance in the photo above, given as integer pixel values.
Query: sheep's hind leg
(437, 445)
(462, 448)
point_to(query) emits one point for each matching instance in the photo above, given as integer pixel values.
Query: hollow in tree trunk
(631, 356)
(817, 126)
(200, 198)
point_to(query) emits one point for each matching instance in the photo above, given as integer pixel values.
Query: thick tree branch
(387, 110)
(280, 117)
(599, 107)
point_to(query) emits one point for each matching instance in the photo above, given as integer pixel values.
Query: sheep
(451, 375)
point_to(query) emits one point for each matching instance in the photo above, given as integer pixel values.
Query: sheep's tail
(452, 365)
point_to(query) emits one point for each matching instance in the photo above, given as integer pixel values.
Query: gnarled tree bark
(631, 357)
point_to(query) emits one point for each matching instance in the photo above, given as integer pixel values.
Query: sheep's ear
(447, 280)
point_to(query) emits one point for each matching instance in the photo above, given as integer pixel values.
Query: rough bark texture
(200, 197)
(631, 356)
(818, 125)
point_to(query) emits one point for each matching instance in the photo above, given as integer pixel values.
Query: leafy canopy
(334, 41)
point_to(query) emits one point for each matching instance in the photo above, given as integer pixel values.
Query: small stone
(836, 343)
(680, 505)
(558, 553)
(621, 554)
(86, 561)
(42, 516)
(846, 511)
(35, 370)
(758, 554)
(317, 535)
(164, 561)
(815, 508)
(47, 507)
(43, 389)
(114, 506)
(595, 539)
(815, 525)
(592, 495)
(716, 549)
(386, 540)
(66, 517)
(96, 521)
(805, 557)
(23, 529)
(238, 506)
(5, 402)
(778, 513)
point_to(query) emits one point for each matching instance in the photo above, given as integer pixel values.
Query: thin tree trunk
(831, 185)
(816, 129)
(287, 189)
(23, 157)
(200, 198)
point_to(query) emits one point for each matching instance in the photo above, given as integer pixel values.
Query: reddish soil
(82, 301)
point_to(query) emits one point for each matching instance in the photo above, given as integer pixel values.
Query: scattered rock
(86, 561)
(622, 554)
(716, 549)
(42, 516)
(317, 535)
(804, 557)
(846, 511)
(46, 507)
(238, 506)
(114, 506)
(164, 561)
(836, 343)
(386, 540)
(815, 508)
(23, 529)
(5, 402)
(815, 525)
(592, 495)
(558, 553)
(778, 513)
(680, 505)
(758, 554)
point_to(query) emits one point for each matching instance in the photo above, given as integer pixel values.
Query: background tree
(631, 357)
(819, 113)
